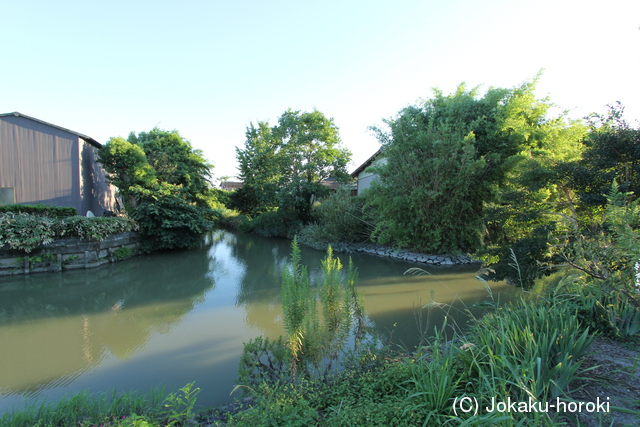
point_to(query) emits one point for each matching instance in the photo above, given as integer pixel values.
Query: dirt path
(613, 372)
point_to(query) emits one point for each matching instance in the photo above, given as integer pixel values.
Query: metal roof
(366, 164)
(85, 137)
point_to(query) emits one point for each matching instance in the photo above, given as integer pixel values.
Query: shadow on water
(57, 326)
(148, 279)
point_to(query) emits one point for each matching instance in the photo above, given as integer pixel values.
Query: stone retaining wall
(401, 254)
(70, 253)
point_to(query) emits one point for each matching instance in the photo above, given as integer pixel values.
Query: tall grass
(320, 318)
(84, 409)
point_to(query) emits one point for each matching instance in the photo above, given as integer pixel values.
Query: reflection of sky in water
(172, 318)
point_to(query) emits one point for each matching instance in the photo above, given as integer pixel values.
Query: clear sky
(209, 68)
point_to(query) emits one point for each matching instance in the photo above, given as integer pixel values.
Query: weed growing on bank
(154, 409)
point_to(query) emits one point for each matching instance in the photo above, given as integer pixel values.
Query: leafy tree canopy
(612, 151)
(451, 157)
(284, 166)
(165, 185)
(174, 160)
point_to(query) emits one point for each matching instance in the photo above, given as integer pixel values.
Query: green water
(168, 319)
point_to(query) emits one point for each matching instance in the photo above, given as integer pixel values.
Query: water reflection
(172, 318)
(55, 327)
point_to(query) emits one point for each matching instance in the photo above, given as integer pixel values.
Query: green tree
(164, 182)
(426, 197)
(128, 168)
(261, 168)
(612, 151)
(453, 165)
(286, 164)
(175, 161)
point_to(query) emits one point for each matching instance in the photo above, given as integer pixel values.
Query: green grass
(154, 409)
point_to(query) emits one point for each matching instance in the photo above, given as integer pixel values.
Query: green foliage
(274, 223)
(122, 253)
(264, 361)
(95, 229)
(280, 405)
(340, 218)
(179, 406)
(533, 348)
(435, 383)
(299, 312)
(110, 410)
(314, 343)
(525, 260)
(25, 232)
(41, 259)
(451, 166)
(366, 393)
(284, 166)
(128, 168)
(175, 161)
(167, 222)
(85, 410)
(529, 350)
(606, 252)
(614, 313)
(40, 210)
(612, 152)
(216, 198)
(164, 181)
(228, 218)
(245, 199)
(429, 193)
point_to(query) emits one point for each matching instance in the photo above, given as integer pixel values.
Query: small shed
(44, 163)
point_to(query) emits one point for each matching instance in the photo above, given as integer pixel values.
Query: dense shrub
(96, 229)
(169, 222)
(276, 223)
(40, 210)
(25, 232)
(339, 218)
(244, 200)
(228, 218)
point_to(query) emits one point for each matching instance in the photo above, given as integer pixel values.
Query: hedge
(40, 210)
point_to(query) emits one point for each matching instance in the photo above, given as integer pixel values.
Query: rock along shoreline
(399, 254)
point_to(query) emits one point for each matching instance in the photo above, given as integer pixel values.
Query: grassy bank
(531, 351)
(153, 409)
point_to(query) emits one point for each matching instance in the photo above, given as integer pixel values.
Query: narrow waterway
(168, 319)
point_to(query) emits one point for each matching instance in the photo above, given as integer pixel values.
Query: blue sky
(209, 68)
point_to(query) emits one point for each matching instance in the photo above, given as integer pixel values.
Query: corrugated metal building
(44, 163)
